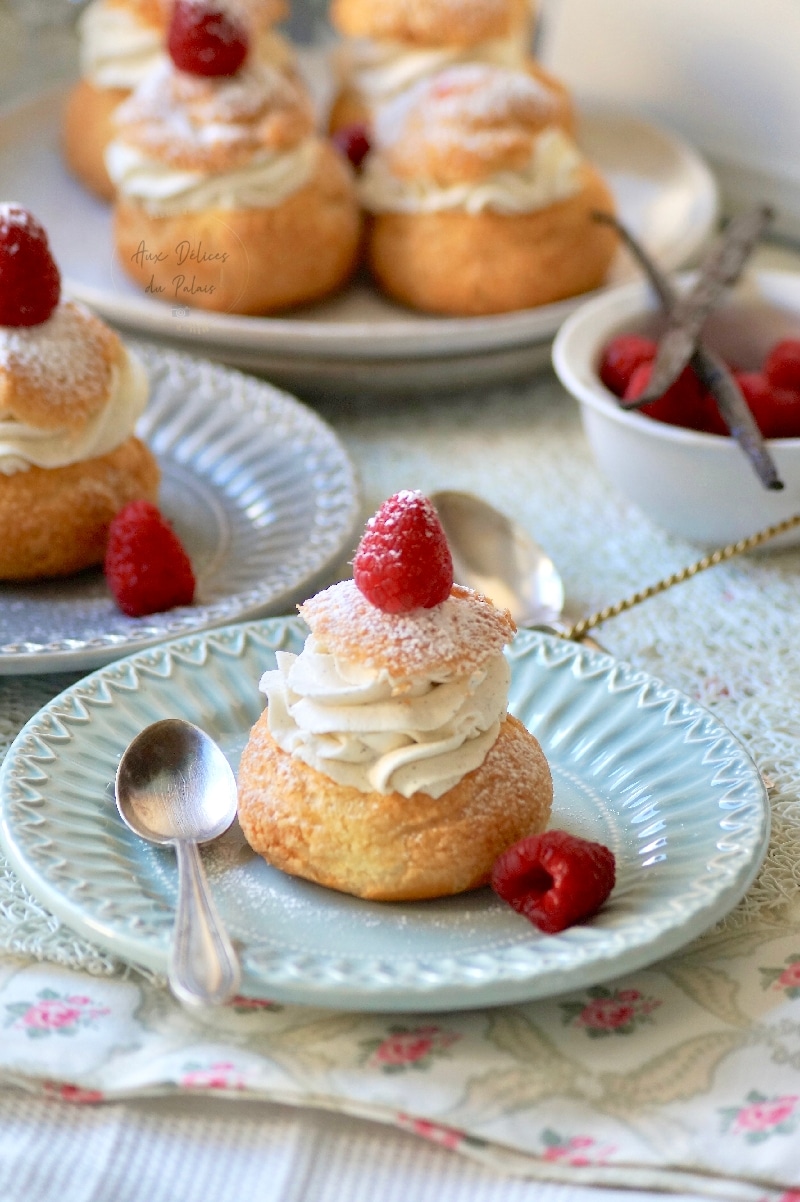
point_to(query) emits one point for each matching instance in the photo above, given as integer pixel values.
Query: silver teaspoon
(175, 786)
(498, 557)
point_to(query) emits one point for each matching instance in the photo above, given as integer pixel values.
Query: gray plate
(259, 489)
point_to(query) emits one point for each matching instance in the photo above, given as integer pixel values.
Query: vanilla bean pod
(712, 372)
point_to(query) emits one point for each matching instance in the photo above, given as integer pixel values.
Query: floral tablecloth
(683, 1076)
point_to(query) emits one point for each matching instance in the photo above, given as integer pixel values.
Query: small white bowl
(700, 487)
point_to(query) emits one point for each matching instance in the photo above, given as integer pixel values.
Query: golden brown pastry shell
(349, 108)
(87, 129)
(55, 521)
(430, 22)
(461, 264)
(299, 251)
(389, 847)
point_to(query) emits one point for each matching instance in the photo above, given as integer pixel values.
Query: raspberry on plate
(403, 561)
(555, 880)
(30, 282)
(205, 40)
(146, 566)
(621, 357)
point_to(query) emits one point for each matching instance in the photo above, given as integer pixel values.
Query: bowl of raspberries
(674, 457)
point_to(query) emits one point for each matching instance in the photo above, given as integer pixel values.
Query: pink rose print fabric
(436, 1133)
(53, 1013)
(762, 1117)
(575, 1150)
(254, 1005)
(785, 979)
(64, 1092)
(407, 1048)
(609, 1012)
(222, 1074)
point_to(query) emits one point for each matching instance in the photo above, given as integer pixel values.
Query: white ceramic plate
(636, 765)
(664, 191)
(258, 487)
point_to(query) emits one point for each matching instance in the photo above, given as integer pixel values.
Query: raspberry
(353, 141)
(403, 561)
(555, 879)
(30, 282)
(683, 404)
(621, 357)
(782, 364)
(146, 567)
(776, 410)
(205, 40)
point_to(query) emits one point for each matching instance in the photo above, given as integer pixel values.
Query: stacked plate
(359, 342)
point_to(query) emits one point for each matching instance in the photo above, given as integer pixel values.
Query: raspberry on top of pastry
(386, 764)
(120, 41)
(70, 396)
(481, 202)
(227, 199)
(390, 45)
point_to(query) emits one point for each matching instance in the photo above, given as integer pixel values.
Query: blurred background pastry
(389, 46)
(70, 397)
(480, 201)
(227, 199)
(120, 42)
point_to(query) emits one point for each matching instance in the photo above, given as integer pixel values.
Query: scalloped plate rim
(85, 654)
(512, 984)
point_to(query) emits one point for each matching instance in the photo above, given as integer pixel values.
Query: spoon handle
(578, 630)
(203, 968)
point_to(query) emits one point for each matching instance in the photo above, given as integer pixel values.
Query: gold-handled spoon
(499, 558)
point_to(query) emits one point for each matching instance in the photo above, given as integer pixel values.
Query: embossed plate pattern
(636, 765)
(258, 487)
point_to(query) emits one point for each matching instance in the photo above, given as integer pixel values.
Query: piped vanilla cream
(117, 50)
(551, 175)
(366, 730)
(265, 181)
(23, 446)
(380, 70)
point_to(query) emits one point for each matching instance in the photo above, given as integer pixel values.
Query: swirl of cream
(116, 50)
(369, 732)
(23, 446)
(264, 182)
(379, 70)
(552, 175)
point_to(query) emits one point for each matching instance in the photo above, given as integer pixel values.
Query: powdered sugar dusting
(459, 635)
(14, 216)
(202, 122)
(57, 372)
(464, 102)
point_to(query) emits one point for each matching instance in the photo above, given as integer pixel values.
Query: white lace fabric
(713, 1045)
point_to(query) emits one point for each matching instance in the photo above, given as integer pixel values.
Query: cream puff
(227, 199)
(120, 41)
(70, 397)
(386, 764)
(389, 46)
(480, 201)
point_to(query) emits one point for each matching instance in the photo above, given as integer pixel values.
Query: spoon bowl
(175, 786)
(497, 557)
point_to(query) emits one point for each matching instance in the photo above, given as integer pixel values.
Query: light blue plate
(636, 766)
